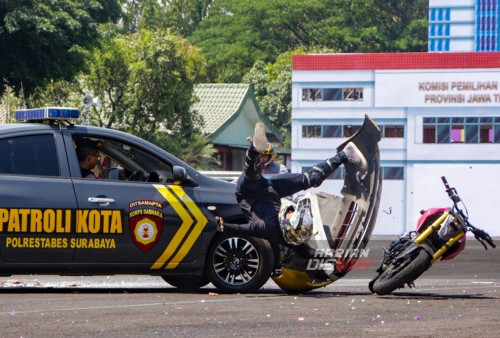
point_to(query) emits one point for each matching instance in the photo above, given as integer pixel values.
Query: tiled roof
(419, 60)
(218, 102)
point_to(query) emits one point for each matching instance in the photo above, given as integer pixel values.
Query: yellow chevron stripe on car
(174, 195)
(201, 221)
(187, 221)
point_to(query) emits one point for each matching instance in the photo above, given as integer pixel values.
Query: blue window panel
(443, 134)
(496, 137)
(432, 14)
(393, 173)
(332, 131)
(471, 134)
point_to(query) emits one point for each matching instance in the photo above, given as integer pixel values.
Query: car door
(37, 201)
(135, 226)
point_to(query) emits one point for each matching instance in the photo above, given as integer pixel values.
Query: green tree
(375, 26)
(200, 153)
(180, 16)
(238, 33)
(8, 103)
(145, 85)
(44, 40)
(108, 79)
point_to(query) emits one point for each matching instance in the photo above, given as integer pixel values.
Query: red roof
(373, 61)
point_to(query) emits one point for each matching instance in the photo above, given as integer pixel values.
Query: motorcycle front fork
(422, 237)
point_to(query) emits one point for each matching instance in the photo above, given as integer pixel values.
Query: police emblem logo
(146, 224)
(145, 231)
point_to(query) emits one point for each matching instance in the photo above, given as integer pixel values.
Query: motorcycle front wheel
(405, 271)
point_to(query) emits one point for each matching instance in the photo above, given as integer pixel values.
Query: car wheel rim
(236, 261)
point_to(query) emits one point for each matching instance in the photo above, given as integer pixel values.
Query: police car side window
(29, 155)
(133, 161)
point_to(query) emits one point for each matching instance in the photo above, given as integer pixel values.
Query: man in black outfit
(87, 151)
(260, 197)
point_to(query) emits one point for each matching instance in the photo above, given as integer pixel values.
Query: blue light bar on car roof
(47, 113)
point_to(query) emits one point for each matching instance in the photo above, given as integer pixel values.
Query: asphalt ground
(456, 298)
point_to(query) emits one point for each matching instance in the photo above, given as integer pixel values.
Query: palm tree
(200, 153)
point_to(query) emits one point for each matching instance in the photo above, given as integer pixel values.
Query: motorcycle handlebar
(480, 235)
(483, 235)
(452, 192)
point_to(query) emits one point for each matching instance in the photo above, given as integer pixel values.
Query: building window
(439, 14)
(332, 131)
(311, 131)
(311, 94)
(342, 131)
(487, 26)
(393, 131)
(393, 173)
(329, 131)
(439, 30)
(332, 94)
(350, 130)
(461, 130)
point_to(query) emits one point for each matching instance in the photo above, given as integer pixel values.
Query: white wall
(477, 184)
(454, 3)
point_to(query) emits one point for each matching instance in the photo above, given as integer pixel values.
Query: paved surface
(458, 298)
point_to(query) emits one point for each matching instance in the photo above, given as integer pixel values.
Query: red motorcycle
(440, 234)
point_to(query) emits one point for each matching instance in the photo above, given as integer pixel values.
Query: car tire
(239, 264)
(186, 283)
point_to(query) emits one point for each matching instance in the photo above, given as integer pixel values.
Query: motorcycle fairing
(429, 216)
(342, 224)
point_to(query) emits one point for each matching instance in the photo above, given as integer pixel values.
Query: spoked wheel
(401, 272)
(239, 264)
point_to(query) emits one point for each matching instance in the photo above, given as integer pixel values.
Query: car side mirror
(181, 176)
(116, 174)
(179, 173)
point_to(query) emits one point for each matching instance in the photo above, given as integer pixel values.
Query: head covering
(88, 143)
(269, 151)
(85, 147)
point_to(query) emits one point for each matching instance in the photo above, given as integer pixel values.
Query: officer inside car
(87, 151)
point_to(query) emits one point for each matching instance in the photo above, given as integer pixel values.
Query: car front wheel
(239, 263)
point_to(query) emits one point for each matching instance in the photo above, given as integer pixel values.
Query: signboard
(437, 89)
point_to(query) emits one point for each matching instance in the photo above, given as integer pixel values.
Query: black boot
(320, 172)
(253, 168)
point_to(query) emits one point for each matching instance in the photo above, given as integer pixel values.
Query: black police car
(146, 213)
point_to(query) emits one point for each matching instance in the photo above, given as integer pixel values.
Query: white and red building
(439, 114)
